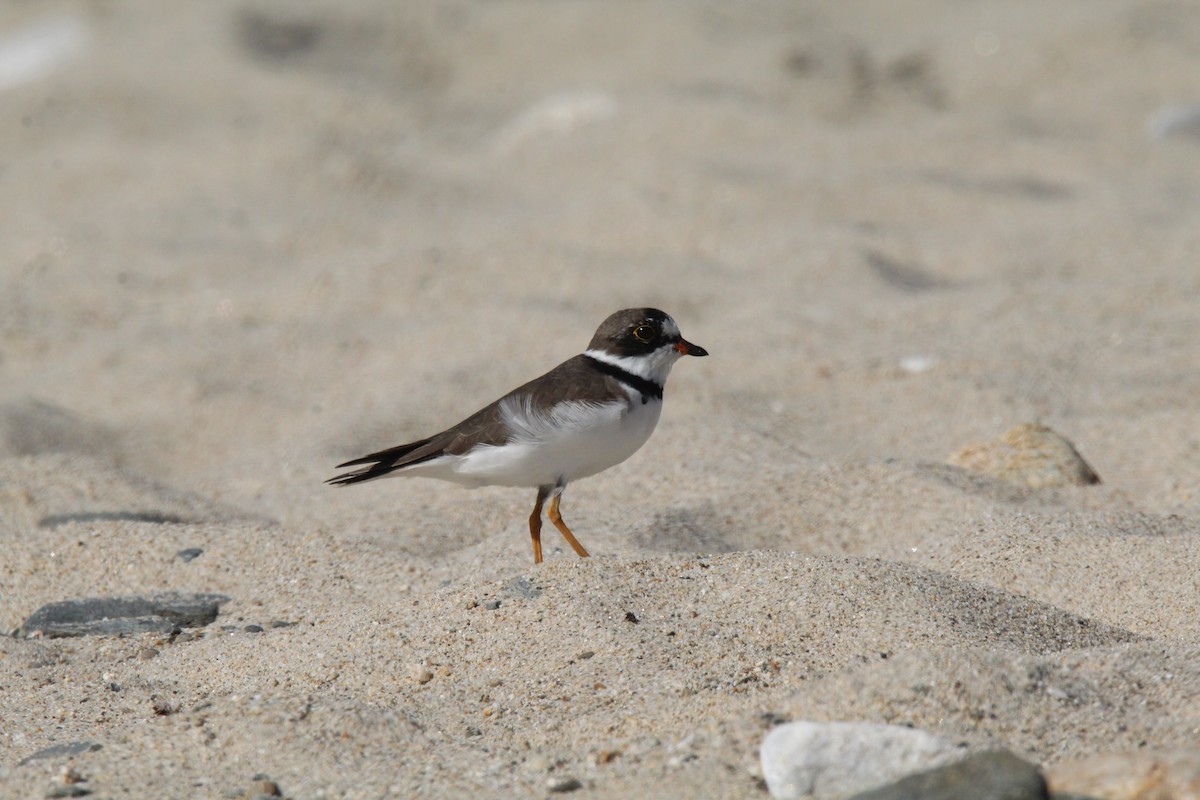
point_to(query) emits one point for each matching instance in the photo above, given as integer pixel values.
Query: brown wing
(576, 378)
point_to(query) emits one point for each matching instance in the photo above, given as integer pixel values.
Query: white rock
(916, 364)
(36, 50)
(827, 759)
(556, 115)
(1174, 121)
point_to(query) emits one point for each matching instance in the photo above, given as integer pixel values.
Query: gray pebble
(1180, 120)
(562, 784)
(492, 605)
(188, 554)
(995, 775)
(253, 629)
(59, 750)
(99, 616)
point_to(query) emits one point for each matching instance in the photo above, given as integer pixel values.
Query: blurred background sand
(244, 241)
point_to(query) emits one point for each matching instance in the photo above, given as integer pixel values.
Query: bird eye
(643, 333)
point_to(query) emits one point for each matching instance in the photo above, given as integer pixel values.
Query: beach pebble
(36, 49)
(994, 775)
(99, 616)
(189, 553)
(262, 786)
(1162, 775)
(59, 751)
(70, 775)
(562, 784)
(555, 116)
(1177, 120)
(801, 759)
(162, 706)
(420, 674)
(68, 784)
(1028, 454)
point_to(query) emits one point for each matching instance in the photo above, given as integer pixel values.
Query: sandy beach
(247, 241)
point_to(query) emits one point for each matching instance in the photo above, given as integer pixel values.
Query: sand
(246, 241)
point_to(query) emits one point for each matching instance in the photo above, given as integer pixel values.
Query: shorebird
(589, 413)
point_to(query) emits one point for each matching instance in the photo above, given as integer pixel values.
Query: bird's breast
(566, 442)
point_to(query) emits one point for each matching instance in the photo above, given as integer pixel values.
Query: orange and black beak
(686, 348)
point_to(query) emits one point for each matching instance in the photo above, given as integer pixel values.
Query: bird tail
(385, 462)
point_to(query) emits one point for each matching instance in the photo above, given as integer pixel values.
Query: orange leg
(557, 519)
(535, 524)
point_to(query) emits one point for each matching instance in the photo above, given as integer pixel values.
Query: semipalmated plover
(589, 413)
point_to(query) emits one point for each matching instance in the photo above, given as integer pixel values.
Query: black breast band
(647, 388)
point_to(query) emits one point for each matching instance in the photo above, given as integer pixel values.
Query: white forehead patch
(670, 328)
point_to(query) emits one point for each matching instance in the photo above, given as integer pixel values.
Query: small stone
(253, 629)
(188, 554)
(147, 653)
(420, 673)
(492, 605)
(99, 616)
(631, 617)
(263, 787)
(995, 775)
(60, 750)
(561, 784)
(1159, 774)
(162, 706)
(1175, 120)
(70, 775)
(838, 758)
(586, 654)
(1030, 455)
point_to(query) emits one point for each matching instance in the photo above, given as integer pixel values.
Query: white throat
(654, 367)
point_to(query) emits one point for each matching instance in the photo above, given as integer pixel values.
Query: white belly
(572, 441)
